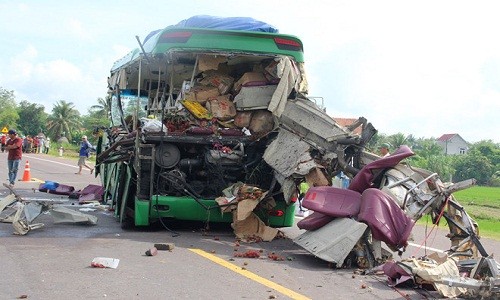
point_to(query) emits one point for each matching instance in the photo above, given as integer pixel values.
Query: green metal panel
(141, 217)
(287, 219)
(231, 41)
(125, 187)
(187, 208)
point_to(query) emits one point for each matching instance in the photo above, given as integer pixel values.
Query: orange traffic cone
(27, 172)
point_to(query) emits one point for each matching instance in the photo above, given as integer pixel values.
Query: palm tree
(64, 120)
(102, 109)
(397, 140)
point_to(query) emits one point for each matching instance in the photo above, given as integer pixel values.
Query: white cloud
(425, 68)
(77, 30)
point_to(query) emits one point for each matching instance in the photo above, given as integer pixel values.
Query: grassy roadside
(483, 205)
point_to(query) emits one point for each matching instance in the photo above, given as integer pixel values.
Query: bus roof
(211, 38)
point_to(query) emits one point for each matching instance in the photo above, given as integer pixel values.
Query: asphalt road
(53, 262)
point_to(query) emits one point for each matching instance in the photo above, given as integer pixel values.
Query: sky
(425, 68)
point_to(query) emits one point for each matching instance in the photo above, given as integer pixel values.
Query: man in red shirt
(15, 148)
(4, 142)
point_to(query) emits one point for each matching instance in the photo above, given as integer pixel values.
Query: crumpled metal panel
(295, 159)
(32, 210)
(334, 241)
(66, 215)
(312, 124)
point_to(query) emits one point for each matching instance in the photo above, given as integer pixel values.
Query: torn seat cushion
(386, 219)
(314, 221)
(364, 178)
(90, 193)
(332, 201)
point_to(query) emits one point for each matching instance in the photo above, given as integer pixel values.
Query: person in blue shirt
(85, 148)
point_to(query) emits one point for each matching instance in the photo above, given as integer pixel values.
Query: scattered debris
(152, 251)
(164, 246)
(87, 209)
(21, 212)
(248, 254)
(241, 200)
(470, 278)
(105, 262)
(275, 257)
(65, 215)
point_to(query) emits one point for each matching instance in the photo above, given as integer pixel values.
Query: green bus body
(132, 177)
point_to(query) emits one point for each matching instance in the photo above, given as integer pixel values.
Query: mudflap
(334, 241)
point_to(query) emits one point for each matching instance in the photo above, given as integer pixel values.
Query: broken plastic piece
(105, 262)
(152, 252)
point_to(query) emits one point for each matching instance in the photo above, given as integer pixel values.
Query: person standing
(41, 144)
(303, 188)
(4, 142)
(46, 146)
(15, 147)
(384, 149)
(85, 148)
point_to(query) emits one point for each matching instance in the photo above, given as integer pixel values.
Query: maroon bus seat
(91, 192)
(332, 201)
(365, 177)
(314, 221)
(386, 220)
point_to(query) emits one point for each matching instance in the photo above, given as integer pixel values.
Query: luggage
(56, 188)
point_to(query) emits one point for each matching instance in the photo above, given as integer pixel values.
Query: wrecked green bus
(204, 106)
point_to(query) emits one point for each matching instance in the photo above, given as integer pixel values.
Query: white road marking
(48, 160)
(425, 247)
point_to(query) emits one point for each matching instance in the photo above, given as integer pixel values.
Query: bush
(495, 179)
(69, 150)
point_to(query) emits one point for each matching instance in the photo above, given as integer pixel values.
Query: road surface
(53, 262)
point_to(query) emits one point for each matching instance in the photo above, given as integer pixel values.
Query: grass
(483, 205)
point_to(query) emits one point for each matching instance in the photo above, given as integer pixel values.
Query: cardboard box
(221, 81)
(317, 177)
(221, 107)
(201, 93)
(242, 119)
(250, 79)
(210, 62)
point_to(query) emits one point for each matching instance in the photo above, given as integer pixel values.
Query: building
(345, 122)
(453, 143)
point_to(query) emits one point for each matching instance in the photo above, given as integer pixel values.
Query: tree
(488, 149)
(482, 162)
(377, 139)
(98, 116)
(8, 112)
(473, 166)
(102, 109)
(428, 147)
(397, 140)
(64, 120)
(32, 118)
